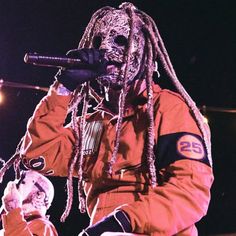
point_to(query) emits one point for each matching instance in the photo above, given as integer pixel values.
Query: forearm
(46, 139)
(48, 118)
(177, 204)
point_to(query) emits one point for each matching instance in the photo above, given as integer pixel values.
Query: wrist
(61, 90)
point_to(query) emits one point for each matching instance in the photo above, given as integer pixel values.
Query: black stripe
(166, 150)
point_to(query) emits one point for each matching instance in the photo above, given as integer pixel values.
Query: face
(111, 33)
(31, 182)
(25, 185)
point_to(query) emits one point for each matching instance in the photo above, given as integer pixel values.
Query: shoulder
(165, 99)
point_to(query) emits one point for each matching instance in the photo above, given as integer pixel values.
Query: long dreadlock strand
(69, 182)
(76, 99)
(69, 188)
(78, 130)
(130, 12)
(14, 160)
(94, 95)
(147, 27)
(151, 54)
(7, 166)
(81, 195)
(197, 115)
(156, 39)
(165, 60)
(150, 112)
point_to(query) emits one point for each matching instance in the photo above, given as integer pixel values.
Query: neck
(134, 90)
(28, 210)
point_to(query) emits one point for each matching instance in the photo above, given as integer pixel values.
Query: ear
(40, 195)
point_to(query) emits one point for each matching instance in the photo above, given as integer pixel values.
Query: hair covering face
(111, 33)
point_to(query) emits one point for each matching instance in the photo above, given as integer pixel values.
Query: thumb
(11, 189)
(8, 188)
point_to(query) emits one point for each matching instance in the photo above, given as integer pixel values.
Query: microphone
(57, 61)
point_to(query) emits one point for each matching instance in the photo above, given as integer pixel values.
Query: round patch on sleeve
(190, 146)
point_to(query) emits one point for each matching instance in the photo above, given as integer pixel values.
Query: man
(143, 155)
(25, 203)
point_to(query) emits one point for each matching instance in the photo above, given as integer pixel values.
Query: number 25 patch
(190, 146)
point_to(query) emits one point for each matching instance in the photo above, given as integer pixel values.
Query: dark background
(200, 38)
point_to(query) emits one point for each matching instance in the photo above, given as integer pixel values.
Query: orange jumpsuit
(14, 224)
(184, 171)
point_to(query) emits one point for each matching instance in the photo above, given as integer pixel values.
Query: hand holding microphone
(73, 77)
(77, 67)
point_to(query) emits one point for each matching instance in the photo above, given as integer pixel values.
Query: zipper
(128, 168)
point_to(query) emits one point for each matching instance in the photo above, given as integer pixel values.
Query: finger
(92, 56)
(8, 187)
(97, 55)
(13, 187)
(84, 55)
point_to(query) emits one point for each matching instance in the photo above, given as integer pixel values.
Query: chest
(100, 139)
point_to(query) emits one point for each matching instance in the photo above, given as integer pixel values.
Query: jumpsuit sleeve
(182, 198)
(15, 224)
(42, 227)
(47, 144)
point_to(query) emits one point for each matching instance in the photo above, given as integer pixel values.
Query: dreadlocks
(153, 51)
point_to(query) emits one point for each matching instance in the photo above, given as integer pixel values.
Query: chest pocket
(92, 137)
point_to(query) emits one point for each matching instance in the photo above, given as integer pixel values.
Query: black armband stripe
(179, 146)
(118, 221)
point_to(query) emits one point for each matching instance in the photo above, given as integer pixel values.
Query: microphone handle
(56, 61)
